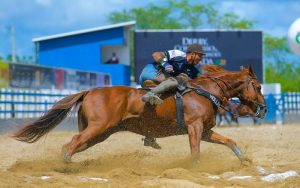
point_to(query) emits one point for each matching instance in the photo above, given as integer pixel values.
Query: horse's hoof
(246, 161)
(195, 161)
(67, 157)
(151, 142)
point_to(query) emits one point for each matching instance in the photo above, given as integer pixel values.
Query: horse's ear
(251, 71)
(242, 68)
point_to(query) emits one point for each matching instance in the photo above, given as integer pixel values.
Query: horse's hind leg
(213, 137)
(82, 122)
(85, 139)
(100, 138)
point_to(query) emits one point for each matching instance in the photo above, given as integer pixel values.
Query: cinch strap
(213, 99)
(179, 114)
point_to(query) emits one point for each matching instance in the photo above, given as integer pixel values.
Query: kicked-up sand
(123, 161)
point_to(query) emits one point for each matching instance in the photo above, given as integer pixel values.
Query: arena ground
(123, 161)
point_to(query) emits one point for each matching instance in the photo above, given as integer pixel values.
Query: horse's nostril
(266, 110)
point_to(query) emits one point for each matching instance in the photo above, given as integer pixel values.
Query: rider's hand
(169, 69)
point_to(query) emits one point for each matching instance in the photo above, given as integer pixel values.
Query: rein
(249, 80)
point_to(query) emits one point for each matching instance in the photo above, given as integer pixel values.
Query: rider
(169, 67)
(170, 64)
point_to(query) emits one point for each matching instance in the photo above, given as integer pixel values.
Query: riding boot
(149, 141)
(164, 86)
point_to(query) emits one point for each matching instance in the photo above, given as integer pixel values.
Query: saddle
(180, 91)
(149, 84)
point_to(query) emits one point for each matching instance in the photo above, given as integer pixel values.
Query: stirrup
(152, 98)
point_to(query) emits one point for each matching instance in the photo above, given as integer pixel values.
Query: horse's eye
(259, 87)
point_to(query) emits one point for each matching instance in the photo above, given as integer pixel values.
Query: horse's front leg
(195, 130)
(227, 120)
(213, 137)
(220, 119)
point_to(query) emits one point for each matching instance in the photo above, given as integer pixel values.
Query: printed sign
(229, 49)
(36, 77)
(59, 78)
(22, 76)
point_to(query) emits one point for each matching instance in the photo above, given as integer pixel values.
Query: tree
(180, 15)
(151, 17)
(233, 21)
(280, 66)
(23, 59)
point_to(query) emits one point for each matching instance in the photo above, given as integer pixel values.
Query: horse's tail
(35, 130)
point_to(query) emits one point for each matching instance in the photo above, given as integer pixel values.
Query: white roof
(124, 24)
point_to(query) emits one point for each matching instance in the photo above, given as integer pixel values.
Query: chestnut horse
(104, 111)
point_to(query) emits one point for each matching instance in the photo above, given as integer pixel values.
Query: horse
(236, 110)
(105, 111)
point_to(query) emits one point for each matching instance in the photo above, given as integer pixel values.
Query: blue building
(88, 50)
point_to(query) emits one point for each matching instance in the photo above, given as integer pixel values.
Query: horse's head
(251, 95)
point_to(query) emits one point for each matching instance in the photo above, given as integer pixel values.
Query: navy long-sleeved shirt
(177, 59)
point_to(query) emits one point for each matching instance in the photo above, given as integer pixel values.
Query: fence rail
(16, 103)
(281, 105)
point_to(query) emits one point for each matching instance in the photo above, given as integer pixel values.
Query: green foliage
(151, 17)
(121, 16)
(174, 15)
(179, 15)
(233, 21)
(287, 75)
(274, 44)
(280, 67)
(23, 59)
(193, 15)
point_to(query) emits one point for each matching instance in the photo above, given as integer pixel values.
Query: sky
(39, 18)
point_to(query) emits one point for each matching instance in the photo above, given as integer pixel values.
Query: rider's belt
(213, 99)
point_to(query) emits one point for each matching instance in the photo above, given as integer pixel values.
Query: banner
(22, 76)
(59, 78)
(70, 79)
(93, 80)
(83, 80)
(44, 78)
(35, 77)
(229, 49)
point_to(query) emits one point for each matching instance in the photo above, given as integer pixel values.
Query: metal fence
(16, 103)
(280, 106)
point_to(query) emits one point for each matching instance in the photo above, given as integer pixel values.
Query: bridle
(259, 106)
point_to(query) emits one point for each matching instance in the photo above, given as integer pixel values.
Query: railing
(281, 105)
(16, 103)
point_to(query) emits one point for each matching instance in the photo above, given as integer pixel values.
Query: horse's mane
(212, 69)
